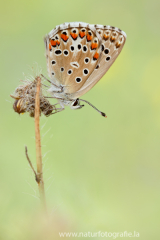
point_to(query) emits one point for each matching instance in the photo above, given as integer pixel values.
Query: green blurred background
(100, 174)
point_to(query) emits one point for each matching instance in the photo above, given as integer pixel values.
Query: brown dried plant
(29, 98)
(24, 96)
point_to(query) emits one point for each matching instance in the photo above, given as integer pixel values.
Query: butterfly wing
(72, 52)
(113, 40)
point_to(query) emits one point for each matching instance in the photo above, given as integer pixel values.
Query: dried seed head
(24, 96)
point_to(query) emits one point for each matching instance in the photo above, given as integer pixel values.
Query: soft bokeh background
(100, 174)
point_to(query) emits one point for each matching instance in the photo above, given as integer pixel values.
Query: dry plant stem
(30, 163)
(39, 174)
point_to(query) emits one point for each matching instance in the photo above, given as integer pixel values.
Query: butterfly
(78, 55)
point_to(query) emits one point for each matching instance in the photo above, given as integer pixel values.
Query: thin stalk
(38, 146)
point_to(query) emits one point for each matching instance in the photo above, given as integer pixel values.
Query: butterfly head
(75, 104)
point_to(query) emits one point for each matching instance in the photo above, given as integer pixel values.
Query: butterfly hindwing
(113, 40)
(73, 51)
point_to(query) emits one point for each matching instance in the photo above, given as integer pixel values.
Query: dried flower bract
(25, 100)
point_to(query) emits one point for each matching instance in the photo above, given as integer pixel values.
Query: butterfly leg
(46, 79)
(57, 110)
(55, 89)
(54, 98)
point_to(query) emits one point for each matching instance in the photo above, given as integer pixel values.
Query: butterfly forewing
(73, 52)
(113, 40)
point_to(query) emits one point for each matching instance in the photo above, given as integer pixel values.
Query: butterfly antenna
(102, 113)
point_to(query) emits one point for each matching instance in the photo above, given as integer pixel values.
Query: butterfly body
(78, 55)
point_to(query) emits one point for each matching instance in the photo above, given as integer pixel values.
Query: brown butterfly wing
(73, 52)
(113, 40)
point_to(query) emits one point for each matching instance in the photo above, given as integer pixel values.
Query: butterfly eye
(78, 79)
(75, 103)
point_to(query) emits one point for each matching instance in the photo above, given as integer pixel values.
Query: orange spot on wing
(94, 46)
(50, 47)
(82, 34)
(53, 43)
(118, 44)
(64, 37)
(112, 39)
(58, 42)
(89, 37)
(96, 56)
(74, 35)
(106, 37)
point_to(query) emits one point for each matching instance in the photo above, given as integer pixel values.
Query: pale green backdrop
(100, 174)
